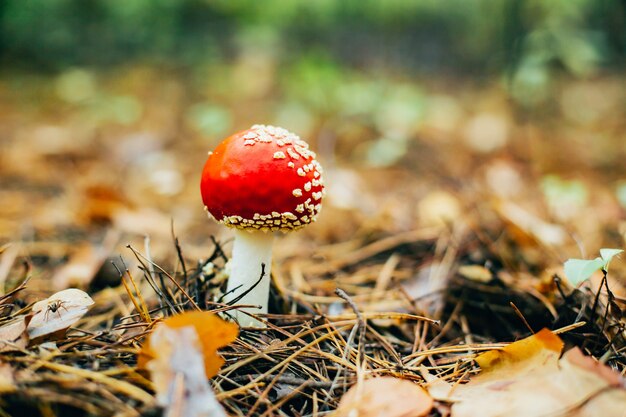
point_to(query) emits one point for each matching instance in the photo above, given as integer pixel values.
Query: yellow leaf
(213, 333)
(520, 350)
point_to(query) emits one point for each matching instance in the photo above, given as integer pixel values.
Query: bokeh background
(506, 113)
(469, 147)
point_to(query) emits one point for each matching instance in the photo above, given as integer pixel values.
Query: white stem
(250, 250)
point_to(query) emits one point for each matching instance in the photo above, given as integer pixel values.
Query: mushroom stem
(250, 250)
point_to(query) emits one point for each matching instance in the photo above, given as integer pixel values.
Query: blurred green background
(376, 70)
(427, 35)
(525, 40)
(130, 94)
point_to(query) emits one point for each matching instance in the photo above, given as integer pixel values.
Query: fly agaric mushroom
(259, 181)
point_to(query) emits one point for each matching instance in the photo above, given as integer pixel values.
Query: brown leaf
(385, 397)
(143, 221)
(100, 202)
(212, 331)
(84, 264)
(525, 227)
(13, 335)
(576, 357)
(181, 353)
(8, 254)
(178, 374)
(528, 379)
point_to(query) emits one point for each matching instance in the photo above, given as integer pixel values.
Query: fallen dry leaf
(539, 348)
(100, 202)
(84, 264)
(212, 332)
(13, 335)
(385, 397)
(8, 254)
(58, 312)
(528, 379)
(181, 354)
(526, 227)
(144, 221)
(179, 376)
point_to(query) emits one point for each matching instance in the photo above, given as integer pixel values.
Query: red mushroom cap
(263, 178)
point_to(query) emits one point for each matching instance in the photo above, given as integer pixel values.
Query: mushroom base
(250, 251)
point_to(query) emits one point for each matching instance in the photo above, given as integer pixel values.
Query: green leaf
(607, 255)
(578, 270)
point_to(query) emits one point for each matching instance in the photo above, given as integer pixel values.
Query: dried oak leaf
(213, 333)
(528, 379)
(385, 397)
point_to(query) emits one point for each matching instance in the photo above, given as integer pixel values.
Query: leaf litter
(304, 360)
(433, 270)
(531, 378)
(181, 354)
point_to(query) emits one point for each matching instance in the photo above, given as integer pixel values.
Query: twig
(171, 278)
(521, 316)
(243, 294)
(361, 321)
(285, 379)
(179, 253)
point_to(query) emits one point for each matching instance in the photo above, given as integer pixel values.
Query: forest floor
(421, 259)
